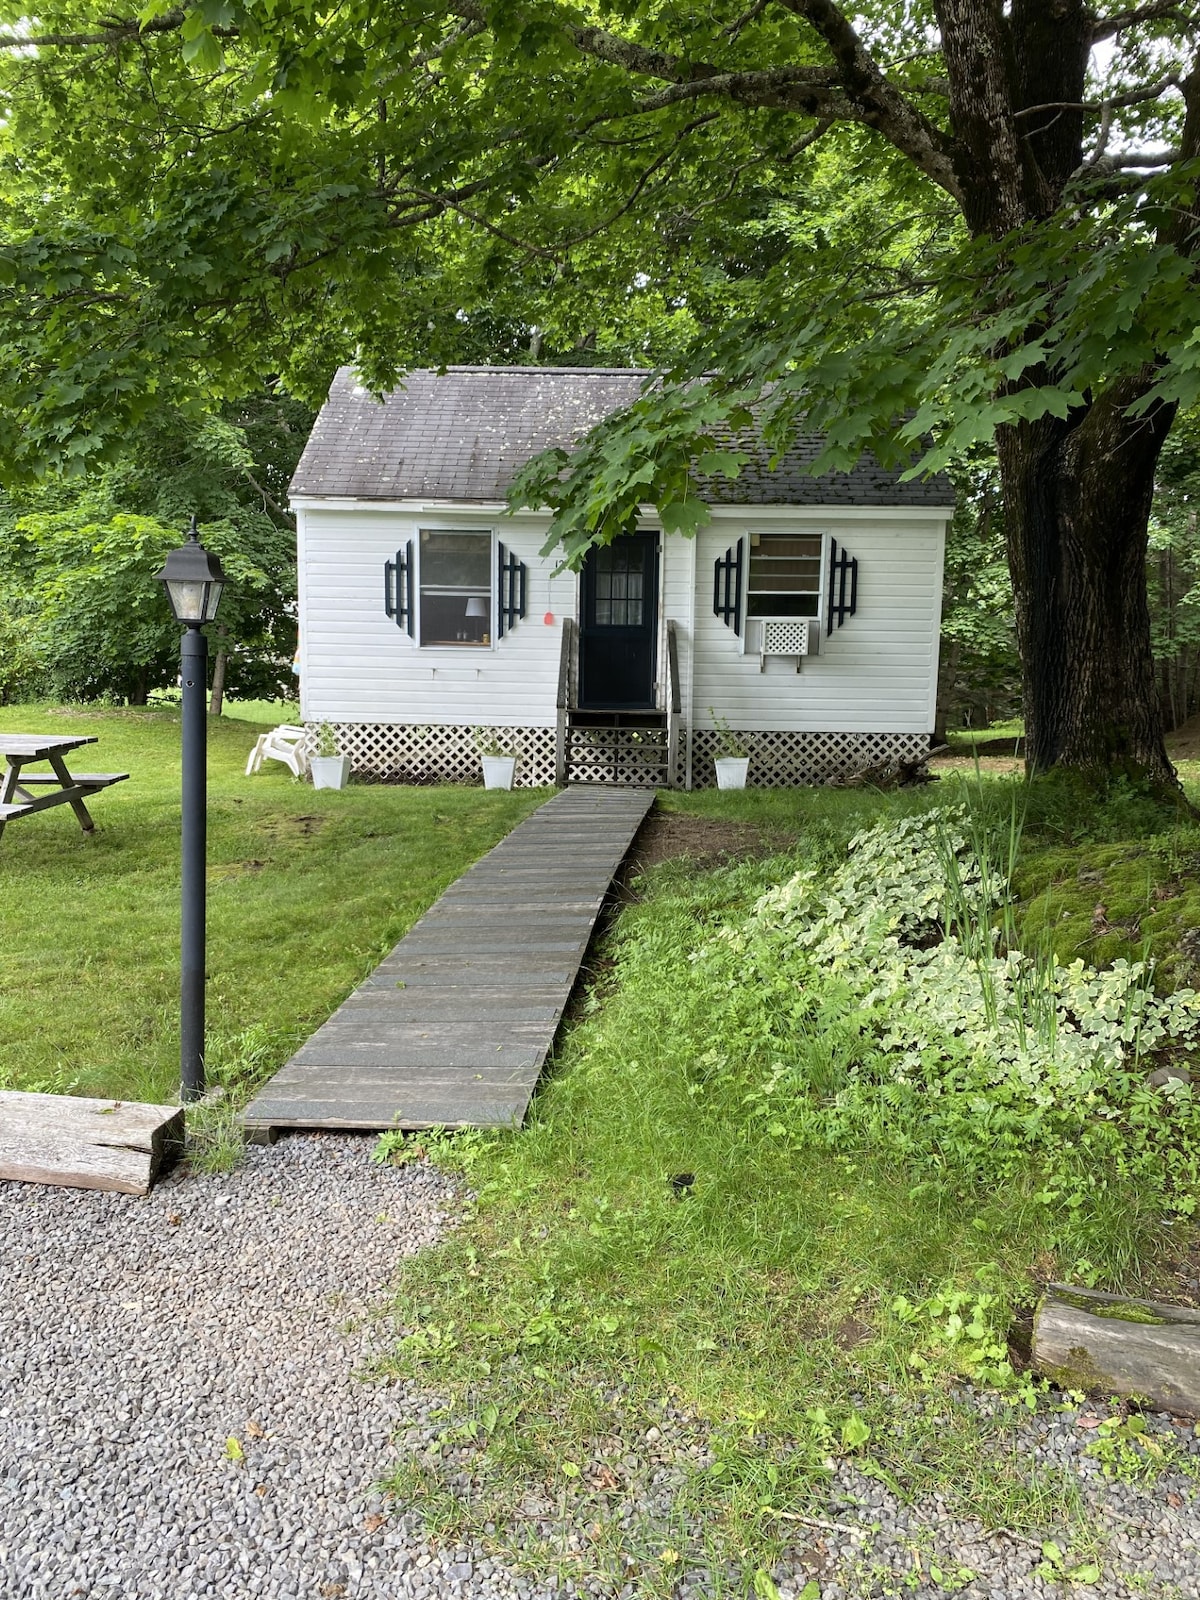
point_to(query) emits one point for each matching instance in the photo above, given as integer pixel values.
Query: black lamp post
(193, 580)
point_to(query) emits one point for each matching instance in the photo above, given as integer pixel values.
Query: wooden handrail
(567, 695)
(673, 668)
(565, 662)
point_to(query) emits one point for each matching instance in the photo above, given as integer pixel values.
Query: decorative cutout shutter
(510, 590)
(397, 588)
(727, 587)
(843, 576)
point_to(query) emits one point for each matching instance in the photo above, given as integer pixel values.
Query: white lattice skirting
(388, 753)
(789, 760)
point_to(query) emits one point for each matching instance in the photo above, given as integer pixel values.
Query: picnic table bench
(64, 787)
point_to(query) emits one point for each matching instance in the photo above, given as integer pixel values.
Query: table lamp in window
(477, 607)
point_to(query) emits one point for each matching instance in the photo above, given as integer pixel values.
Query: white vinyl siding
(358, 666)
(875, 674)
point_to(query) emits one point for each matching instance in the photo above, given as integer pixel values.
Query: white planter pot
(731, 771)
(329, 772)
(498, 771)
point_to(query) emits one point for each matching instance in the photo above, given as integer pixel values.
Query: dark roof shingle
(464, 434)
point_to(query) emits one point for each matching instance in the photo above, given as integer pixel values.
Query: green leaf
(855, 1432)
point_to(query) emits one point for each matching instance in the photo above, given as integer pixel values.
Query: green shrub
(878, 1006)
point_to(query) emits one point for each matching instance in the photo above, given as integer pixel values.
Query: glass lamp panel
(187, 599)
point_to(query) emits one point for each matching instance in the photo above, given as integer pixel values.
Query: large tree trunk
(1077, 502)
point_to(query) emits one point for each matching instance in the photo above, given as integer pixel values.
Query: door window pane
(618, 587)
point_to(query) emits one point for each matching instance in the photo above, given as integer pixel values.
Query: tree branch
(1126, 160)
(1134, 97)
(268, 499)
(771, 86)
(443, 203)
(116, 31)
(807, 140)
(1109, 27)
(883, 106)
(644, 178)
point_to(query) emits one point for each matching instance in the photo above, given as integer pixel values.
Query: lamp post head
(193, 579)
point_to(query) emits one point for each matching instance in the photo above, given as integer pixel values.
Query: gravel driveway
(179, 1417)
(139, 1336)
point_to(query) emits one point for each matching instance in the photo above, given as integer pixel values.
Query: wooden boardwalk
(453, 1028)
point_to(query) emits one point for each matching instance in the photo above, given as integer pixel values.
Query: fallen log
(1085, 1339)
(86, 1144)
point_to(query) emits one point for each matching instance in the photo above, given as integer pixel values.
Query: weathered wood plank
(86, 1144)
(320, 1083)
(355, 1055)
(349, 1029)
(448, 1110)
(490, 969)
(435, 1005)
(1085, 1339)
(520, 941)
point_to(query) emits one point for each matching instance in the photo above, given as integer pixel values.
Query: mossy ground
(1133, 900)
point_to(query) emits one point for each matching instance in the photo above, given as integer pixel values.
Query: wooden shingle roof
(463, 435)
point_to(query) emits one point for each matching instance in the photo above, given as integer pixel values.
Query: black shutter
(843, 586)
(727, 587)
(510, 590)
(397, 588)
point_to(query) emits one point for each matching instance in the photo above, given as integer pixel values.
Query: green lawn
(791, 1289)
(589, 1292)
(307, 890)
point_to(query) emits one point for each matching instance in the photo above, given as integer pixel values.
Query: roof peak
(496, 370)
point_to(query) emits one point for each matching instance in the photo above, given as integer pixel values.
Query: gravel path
(138, 1337)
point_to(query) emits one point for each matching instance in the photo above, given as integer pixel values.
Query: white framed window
(454, 575)
(785, 573)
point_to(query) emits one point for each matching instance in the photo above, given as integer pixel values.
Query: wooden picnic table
(60, 786)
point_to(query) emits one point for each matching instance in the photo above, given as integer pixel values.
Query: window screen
(618, 587)
(785, 575)
(455, 576)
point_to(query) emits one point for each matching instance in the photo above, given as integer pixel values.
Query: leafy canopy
(198, 198)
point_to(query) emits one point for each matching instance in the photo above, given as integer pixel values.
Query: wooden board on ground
(86, 1144)
(453, 1027)
(1085, 1339)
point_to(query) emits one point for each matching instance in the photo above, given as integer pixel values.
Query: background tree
(202, 196)
(979, 677)
(78, 558)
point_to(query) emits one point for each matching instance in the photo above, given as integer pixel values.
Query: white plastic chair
(286, 744)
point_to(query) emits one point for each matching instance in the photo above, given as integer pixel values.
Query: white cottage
(804, 616)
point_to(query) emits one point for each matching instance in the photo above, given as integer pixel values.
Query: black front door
(619, 625)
